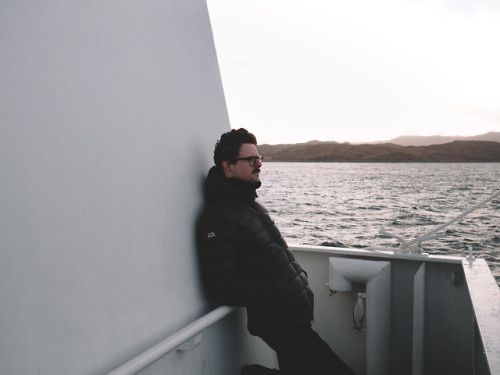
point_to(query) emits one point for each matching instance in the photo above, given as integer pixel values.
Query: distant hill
(413, 140)
(315, 151)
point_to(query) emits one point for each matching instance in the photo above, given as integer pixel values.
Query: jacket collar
(219, 187)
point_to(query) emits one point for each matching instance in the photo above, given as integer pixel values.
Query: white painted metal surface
(344, 272)
(376, 276)
(432, 316)
(109, 112)
(173, 342)
(485, 296)
(418, 350)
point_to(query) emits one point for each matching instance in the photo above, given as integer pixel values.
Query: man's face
(241, 168)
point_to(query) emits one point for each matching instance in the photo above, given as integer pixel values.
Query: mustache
(256, 170)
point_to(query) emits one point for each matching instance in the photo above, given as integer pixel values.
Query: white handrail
(153, 354)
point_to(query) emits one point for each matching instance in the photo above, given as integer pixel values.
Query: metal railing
(171, 343)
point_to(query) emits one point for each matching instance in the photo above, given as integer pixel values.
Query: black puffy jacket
(246, 261)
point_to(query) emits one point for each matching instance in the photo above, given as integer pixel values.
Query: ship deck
(421, 314)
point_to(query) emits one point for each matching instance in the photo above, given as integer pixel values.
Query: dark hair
(228, 146)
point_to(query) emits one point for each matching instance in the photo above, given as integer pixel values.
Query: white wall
(109, 111)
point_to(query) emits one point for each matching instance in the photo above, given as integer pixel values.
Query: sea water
(347, 204)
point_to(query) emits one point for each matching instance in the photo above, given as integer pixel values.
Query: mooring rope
(413, 246)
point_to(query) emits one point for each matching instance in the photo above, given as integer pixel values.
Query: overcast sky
(359, 70)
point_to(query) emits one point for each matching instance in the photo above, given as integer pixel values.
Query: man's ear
(226, 167)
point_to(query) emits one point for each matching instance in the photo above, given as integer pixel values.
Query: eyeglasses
(252, 160)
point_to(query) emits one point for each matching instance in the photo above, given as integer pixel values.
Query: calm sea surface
(346, 204)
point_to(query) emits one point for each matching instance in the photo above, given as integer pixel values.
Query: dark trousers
(301, 351)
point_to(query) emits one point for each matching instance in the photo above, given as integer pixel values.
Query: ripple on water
(348, 203)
